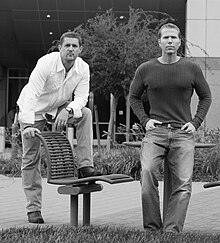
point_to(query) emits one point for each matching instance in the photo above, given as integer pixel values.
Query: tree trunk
(128, 115)
(97, 129)
(15, 133)
(112, 121)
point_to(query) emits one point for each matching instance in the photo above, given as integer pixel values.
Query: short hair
(171, 26)
(71, 34)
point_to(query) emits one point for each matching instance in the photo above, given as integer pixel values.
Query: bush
(11, 166)
(125, 160)
(207, 161)
(120, 160)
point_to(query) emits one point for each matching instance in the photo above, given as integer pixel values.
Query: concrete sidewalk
(116, 205)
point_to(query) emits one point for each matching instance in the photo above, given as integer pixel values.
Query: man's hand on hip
(188, 127)
(151, 124)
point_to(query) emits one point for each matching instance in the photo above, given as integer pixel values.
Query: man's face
(169, 41)
(70, 49)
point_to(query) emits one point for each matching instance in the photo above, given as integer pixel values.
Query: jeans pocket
(151, 133)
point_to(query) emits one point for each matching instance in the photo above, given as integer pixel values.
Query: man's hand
(29, 132)
(151, 124)
(188, 127)
(61, 119)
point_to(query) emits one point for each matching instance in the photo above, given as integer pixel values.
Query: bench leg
(74, 210)
(86, 208)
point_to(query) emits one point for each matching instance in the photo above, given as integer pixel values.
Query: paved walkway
(116, 205)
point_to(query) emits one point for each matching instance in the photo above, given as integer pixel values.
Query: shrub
(11, 166)
(125, 160)
(207, 161)
(120, 159)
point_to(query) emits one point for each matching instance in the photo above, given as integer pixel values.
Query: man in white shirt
(54, 79)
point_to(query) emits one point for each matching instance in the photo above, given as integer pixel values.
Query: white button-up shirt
(49, 87)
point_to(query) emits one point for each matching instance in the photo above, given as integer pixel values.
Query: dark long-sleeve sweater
(169, 89)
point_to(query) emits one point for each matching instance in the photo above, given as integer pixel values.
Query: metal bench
(211, 184)
(62, 170)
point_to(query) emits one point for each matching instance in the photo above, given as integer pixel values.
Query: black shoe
(35, 217)
(87, 172)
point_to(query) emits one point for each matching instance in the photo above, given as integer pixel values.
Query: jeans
(177, 148)
(31, 176)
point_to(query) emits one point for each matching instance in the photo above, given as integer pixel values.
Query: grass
(96, 234)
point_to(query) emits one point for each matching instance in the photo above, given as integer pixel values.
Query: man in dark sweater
(169, 82)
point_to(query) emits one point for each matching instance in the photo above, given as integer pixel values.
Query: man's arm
(31, 93)
(203, 91)
(81, 94)
(29, 98)
(135, 93)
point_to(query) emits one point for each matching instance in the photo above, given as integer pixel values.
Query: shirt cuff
(77, 113)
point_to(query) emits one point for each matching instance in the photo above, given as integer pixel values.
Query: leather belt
(172, 125)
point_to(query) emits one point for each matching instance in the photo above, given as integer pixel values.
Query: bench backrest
(61, 168)
(59, 155)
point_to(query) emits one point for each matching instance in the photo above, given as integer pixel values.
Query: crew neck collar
(169, 63)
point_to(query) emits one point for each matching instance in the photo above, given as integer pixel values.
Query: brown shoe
(35, 217)
(87, 171)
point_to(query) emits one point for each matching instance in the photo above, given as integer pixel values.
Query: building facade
(202, 25)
